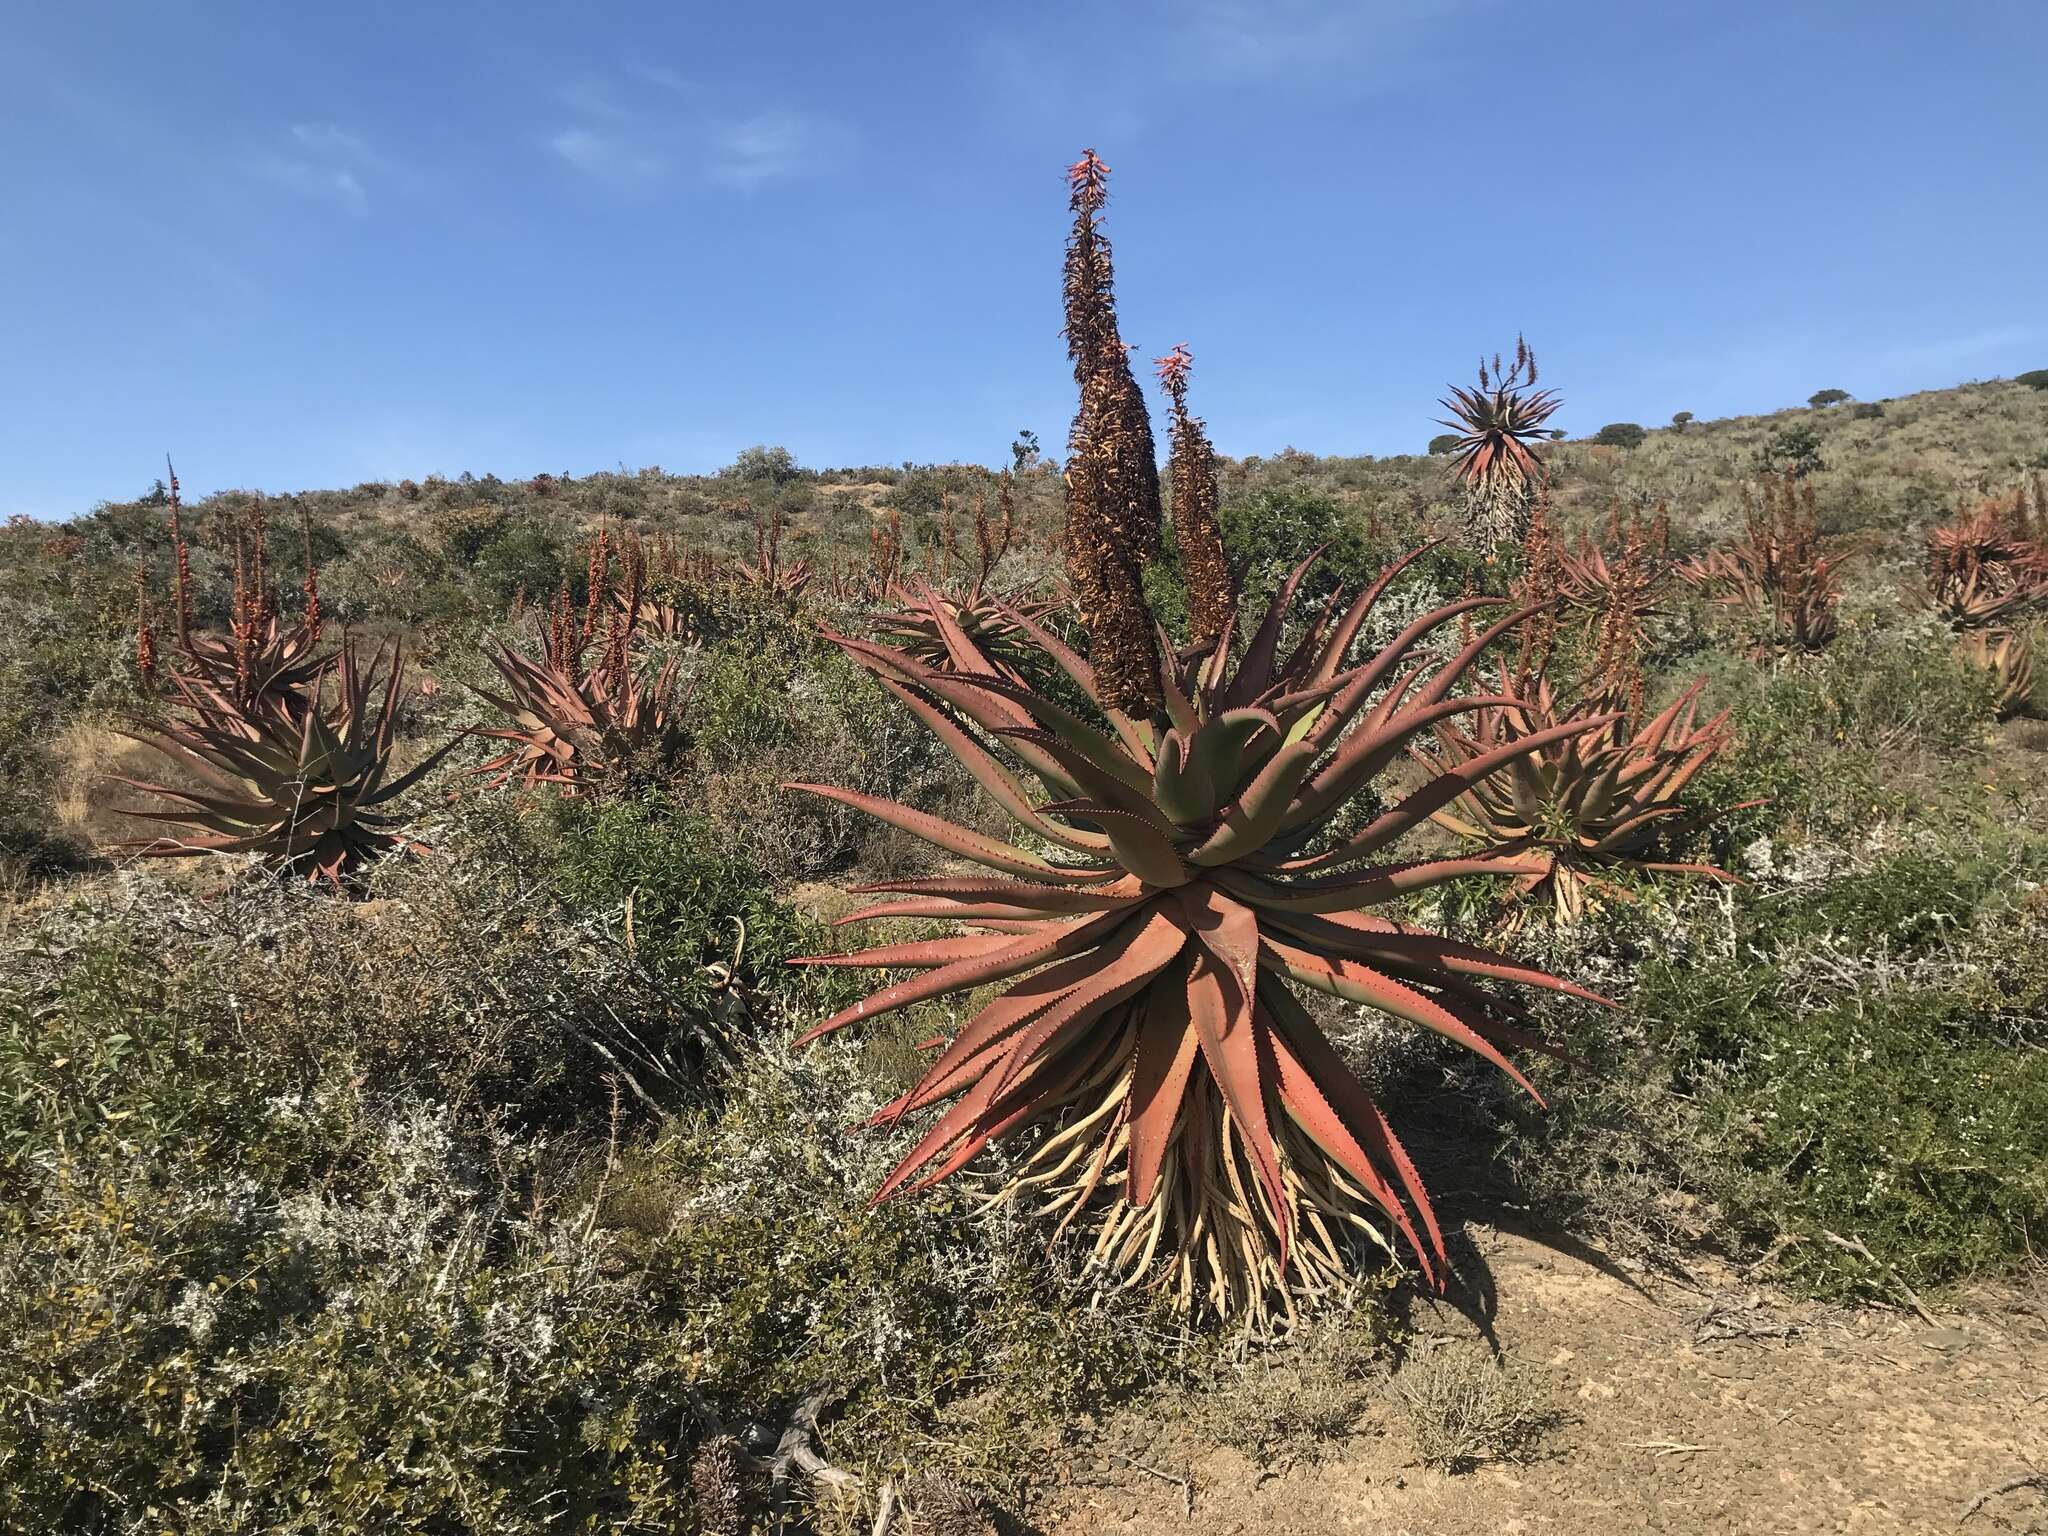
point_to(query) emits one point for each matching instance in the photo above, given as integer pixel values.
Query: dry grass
(1465, 1408)
(84, 758)
(1292, 1404)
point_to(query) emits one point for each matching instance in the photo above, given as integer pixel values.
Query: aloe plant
(573, 725)
(1988, 568)
(1177, 873)
(1781, 573)
(1497, 428)
(1176, 893)
(1583, 806)
(2006, 657)
(576, 724)
(304, 789)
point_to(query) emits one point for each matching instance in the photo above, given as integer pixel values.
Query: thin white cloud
(661, 75)
(591, 96)
(1957, 351)
(328, 139)
(635, 126)
(606, 157)
(1265, 39)
(765, 147)
(327, 183)
(328, 163)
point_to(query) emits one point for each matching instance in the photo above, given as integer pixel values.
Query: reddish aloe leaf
(1366, 888)
(1256, 670)
(1002, 787)
(1251, 822)
(1181, 785)
(1367, 679)
(1221, 1012)
(1044, 1088)
(1091, 780)
(1142, 958)
(1073, 733)
(1347, 934)
(1160, 1068)
(1002, 962)
(1440, 791)
(944, 834)
(1129, 731)
(968, 1054)
(1360, 983)
(1348, 1096)
(1347, 628)
(1305, 1100)
(1367, 751)
(965, 911)
(980, 1042)
(1140, 846)
(924, 954)
(1053, 898)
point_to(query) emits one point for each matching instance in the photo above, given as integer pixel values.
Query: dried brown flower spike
(1212, 590)
(1113, 511)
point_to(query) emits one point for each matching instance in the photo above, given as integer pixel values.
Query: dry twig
(2011, 1485)
(1857, 1246)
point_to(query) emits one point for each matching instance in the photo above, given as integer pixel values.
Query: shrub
(1682, 419)
(1820, 399)
(325, 1221)
(1912, 1118)
(1290, 1404)
(529, 554)
(1620, 434)
(1444, 442)
(776, 466)
(1825, 742)
(463, 532)
(1792, 449)
(1465, 1408)
(1868, 410)
(772, 702)
(2033, 378)
(1854, 1047)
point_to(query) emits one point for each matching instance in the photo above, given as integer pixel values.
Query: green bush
(1841, 737)
(777, 466)
(267, 1268)
(773, 702)
(530, 554)
(1852, 1047)
(1444, 442)
(1821, 399)
(1270, 532)
(1620, 434)
(1792, 449)
(2033, 378)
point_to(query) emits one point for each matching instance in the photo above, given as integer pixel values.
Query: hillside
(487, 1186)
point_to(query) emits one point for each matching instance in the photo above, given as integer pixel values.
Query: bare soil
(1714, 1407)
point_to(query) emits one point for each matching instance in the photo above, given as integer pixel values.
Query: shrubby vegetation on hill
(483, 1193)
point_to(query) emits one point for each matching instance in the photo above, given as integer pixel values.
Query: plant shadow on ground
(1476, 1191)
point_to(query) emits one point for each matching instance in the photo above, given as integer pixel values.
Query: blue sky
(308, 245)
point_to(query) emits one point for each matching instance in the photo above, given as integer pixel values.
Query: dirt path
(1710, 1412)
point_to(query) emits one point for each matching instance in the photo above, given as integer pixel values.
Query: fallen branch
(2027, 1480)
(1186, 1485)
(1857, 1246)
